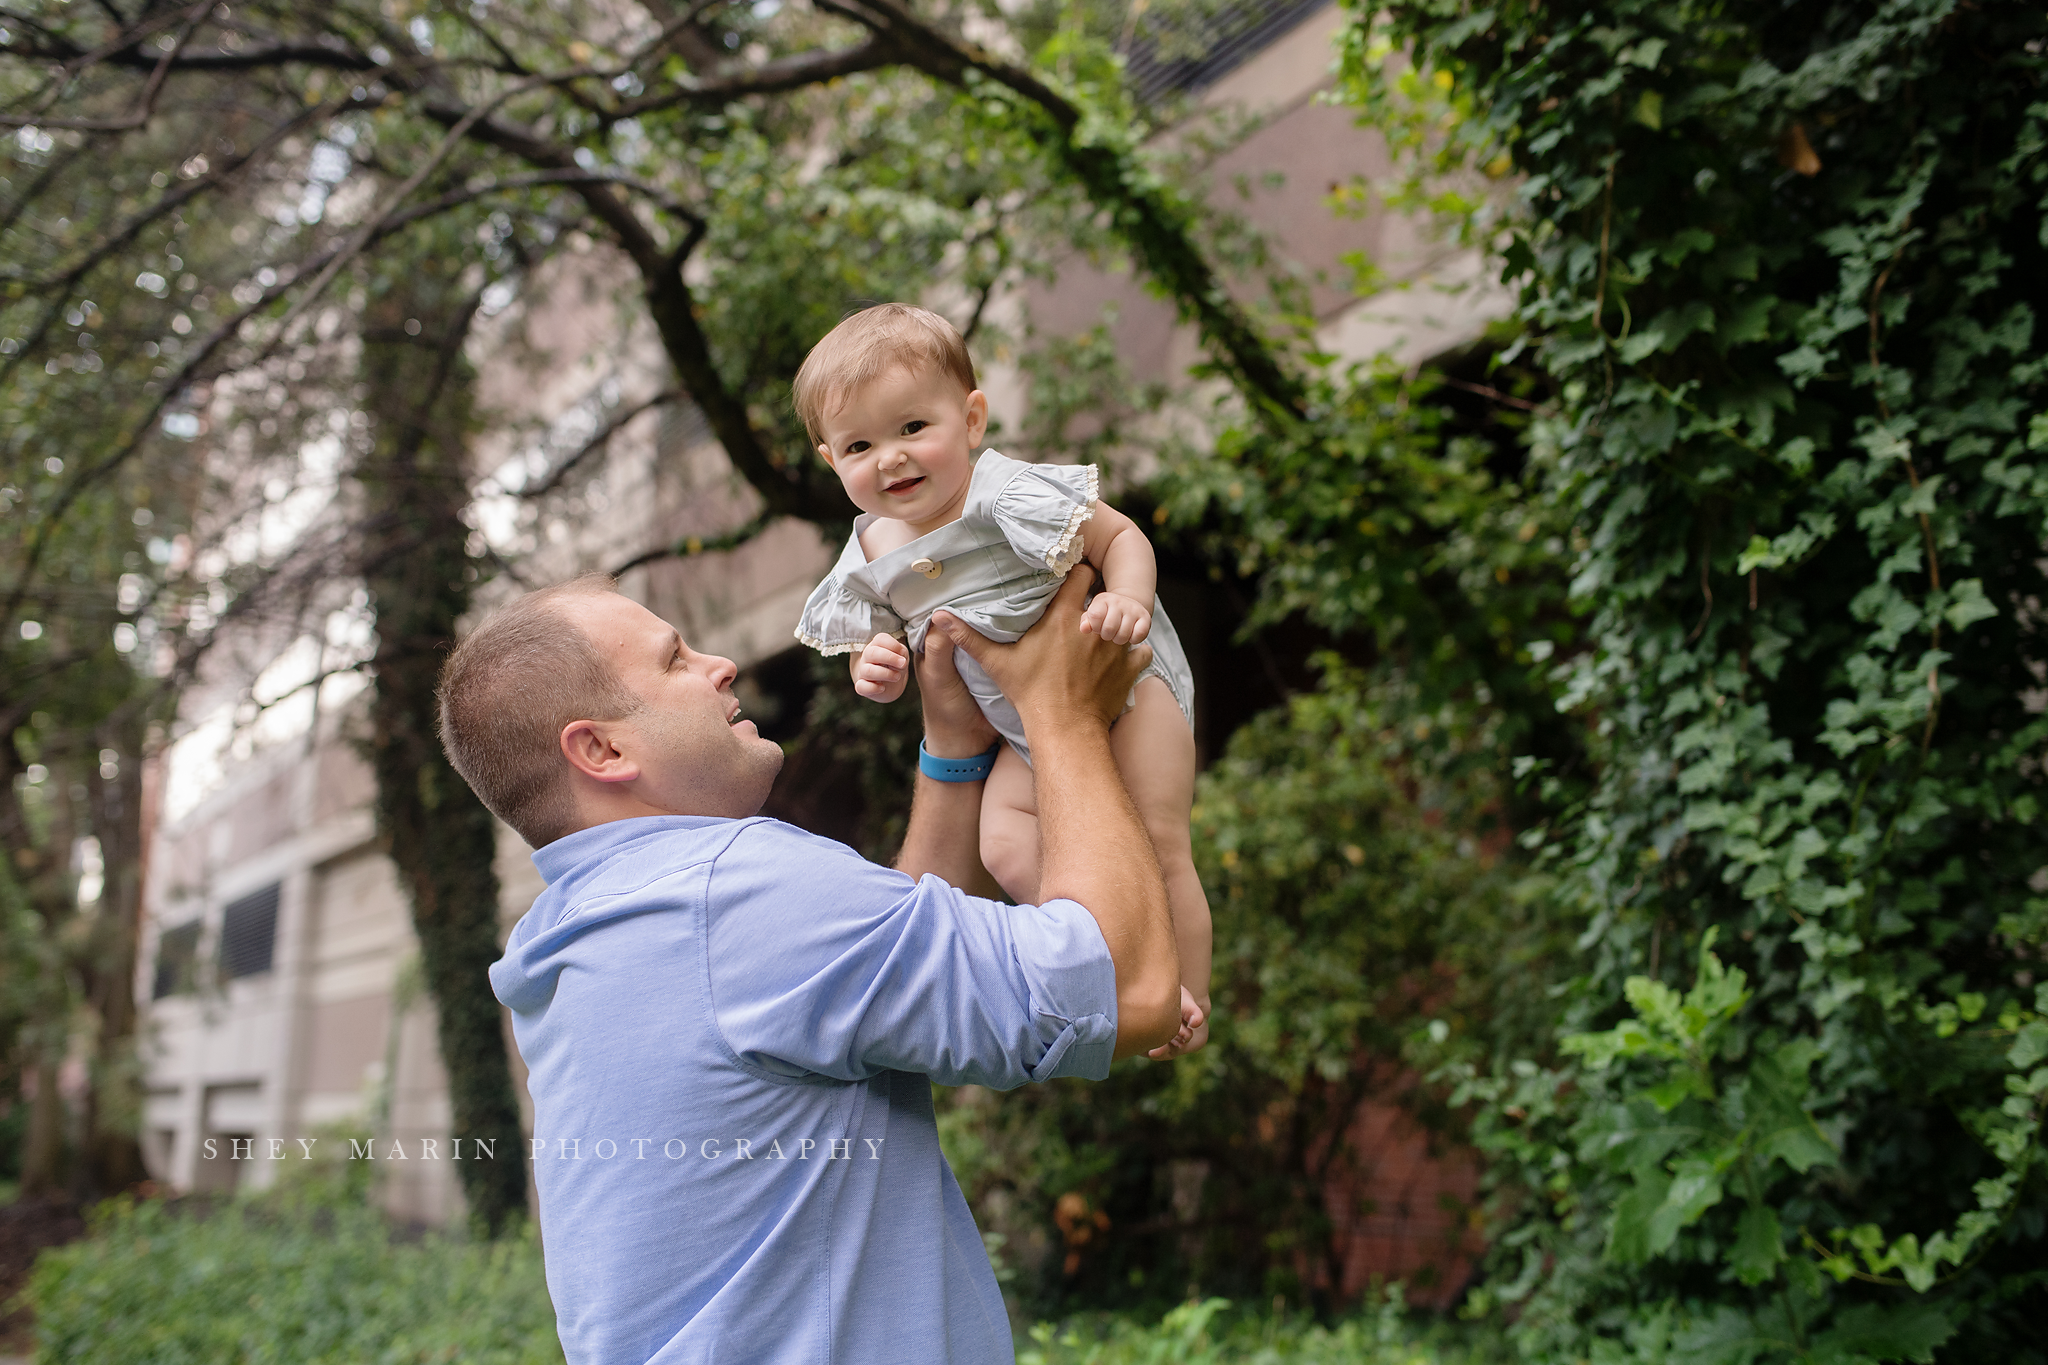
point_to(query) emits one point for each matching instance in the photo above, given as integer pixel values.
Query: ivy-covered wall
(1788, 265)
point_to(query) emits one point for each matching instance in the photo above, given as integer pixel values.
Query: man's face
(695, 756)
(904, 446)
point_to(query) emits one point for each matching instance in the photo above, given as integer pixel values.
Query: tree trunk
(420, 575)
(42, 1146)
(113, 1113)
(50, 893)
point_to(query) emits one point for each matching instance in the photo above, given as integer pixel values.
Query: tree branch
(1157, 230)
(669, 303)
(188, 374)
(691, 546)
(783, 74)
(533, 179)
(170, 203)
(145, 104)
(554, 477)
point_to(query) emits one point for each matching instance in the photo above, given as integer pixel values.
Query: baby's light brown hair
(869, 345)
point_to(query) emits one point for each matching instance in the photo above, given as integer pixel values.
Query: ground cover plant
(308, 1275)
(1216, 1332)
(314, 1273)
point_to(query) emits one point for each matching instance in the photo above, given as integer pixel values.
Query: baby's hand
(883, 669)
(1193, 1032)
(1118, 619)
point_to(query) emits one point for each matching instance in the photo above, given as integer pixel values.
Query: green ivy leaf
(2030, 1046)
(1908, 1331)
(1759, 1244)
(1628, 1237)
(1695, 1187)
(1968, 604)
(1780, 1127)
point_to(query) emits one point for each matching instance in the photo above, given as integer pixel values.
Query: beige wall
(333, 1034)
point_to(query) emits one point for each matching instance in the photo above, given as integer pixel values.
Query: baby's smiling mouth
(903, 485)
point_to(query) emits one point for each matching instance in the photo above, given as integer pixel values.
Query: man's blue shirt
(730, 1029)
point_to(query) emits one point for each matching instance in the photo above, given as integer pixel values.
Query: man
(731, 1027)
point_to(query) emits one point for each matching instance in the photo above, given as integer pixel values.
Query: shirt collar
(572, 851)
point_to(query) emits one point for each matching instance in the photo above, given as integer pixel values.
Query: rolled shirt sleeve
(824, 964)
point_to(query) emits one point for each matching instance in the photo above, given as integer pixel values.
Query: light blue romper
(998, 567)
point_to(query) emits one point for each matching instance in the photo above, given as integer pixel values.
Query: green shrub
(1365, 905)
(309, 1275)
(1785, 266)
(1208, 1333)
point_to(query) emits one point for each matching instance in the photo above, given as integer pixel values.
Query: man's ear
(591, 748)
(977, 417)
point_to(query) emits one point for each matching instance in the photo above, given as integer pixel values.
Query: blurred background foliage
(1660, 819)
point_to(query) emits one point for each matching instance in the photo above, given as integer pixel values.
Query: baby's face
(904, 446)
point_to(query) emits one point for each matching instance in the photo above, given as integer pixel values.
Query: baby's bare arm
(1114, 544)
(1122, 612)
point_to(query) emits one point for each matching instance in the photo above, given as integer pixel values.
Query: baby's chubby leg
(1009, 828)
(1155, 753)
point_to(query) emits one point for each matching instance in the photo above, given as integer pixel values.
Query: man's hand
(953, 724)
(1069, 686)
(883, 669)
(1055, 673)
(1118, 619)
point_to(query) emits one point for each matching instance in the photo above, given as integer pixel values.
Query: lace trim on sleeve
(1067, 550)
(828, 650)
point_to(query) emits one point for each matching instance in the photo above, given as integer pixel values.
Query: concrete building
(277, 977)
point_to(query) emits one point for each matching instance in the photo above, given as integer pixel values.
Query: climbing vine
(1786, 265)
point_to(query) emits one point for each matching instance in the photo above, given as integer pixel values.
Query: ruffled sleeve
(1041, 511)
(838, 620)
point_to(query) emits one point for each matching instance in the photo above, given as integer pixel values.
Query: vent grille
(1210, 48)
(248, 933)
(177, 952)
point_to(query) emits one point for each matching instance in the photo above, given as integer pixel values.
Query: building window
(248, 933)
(177, 952)
(1201, 47)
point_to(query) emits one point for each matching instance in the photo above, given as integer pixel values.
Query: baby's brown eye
(912, 428)
(857, 447)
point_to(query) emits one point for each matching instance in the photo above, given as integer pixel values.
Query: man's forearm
(944, 837)
(1094, 850)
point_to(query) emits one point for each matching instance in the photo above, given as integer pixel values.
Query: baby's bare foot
(1192, 1033)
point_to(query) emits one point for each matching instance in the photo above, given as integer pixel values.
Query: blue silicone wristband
(957, 769)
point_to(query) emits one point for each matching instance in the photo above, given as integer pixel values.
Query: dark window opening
(177, 953)
(248, 933)
(1206, 49)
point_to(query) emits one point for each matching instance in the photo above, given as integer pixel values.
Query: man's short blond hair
(507, 692)
(870, 344)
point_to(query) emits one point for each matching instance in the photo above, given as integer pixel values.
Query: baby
(890, 398)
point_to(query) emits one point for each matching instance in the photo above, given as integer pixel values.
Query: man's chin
(771, 766)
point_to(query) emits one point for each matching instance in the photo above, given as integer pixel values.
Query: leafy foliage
(310, 1274)
(1786, 266)
(1208, 1332)
(1359, 890)
(1379, 515)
